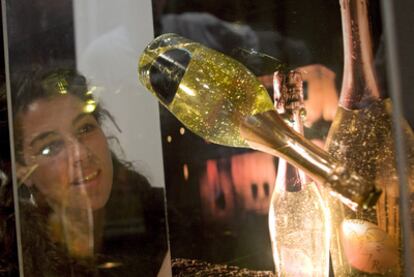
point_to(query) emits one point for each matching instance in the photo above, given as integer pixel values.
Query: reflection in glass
(217, 194)
(250, 173)
(244, 187)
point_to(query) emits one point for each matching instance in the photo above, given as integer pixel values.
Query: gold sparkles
(90, 106)
(109, 265)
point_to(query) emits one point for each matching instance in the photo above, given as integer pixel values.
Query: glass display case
(313, 177)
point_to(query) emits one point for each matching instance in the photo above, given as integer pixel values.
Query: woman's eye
(51, 149)
(86, 128)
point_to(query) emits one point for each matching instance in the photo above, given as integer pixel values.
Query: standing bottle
(364, 243)
(298, 219)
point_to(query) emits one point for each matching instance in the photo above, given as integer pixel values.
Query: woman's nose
(79, 153)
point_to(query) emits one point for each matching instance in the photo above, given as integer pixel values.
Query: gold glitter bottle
(220, 100)
(299, 222)
(365, 243)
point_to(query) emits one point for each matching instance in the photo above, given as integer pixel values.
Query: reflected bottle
(298, 219)
(365, 243)
(220, 100)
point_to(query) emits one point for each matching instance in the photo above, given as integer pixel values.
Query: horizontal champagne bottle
(220, 100)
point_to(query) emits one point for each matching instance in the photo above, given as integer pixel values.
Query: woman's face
(69, 151)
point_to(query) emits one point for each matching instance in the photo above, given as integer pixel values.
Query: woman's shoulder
(129, 181)
(133, 196)
(135, 224)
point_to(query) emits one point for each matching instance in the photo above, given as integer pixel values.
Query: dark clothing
(134, 239)
(135, 232)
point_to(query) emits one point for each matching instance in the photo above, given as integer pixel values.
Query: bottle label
(367, 247)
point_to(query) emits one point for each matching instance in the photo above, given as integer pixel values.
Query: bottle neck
(289, 178)
(359, 86)
(288, 97)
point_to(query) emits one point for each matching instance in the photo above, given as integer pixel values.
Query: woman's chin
(86, 198)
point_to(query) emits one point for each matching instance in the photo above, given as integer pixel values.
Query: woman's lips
(90, 177)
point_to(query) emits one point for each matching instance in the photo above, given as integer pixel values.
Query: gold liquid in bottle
(363, 140)
(299, 226)
(211, 98)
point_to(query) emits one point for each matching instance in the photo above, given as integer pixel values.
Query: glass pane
(87, 140)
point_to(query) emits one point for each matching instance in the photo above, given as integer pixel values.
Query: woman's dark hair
(38, 83)
(30, 85)
(46, 83)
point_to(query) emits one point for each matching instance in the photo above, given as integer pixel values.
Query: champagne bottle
(299, 221)
(361, 136)
(220, 100)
